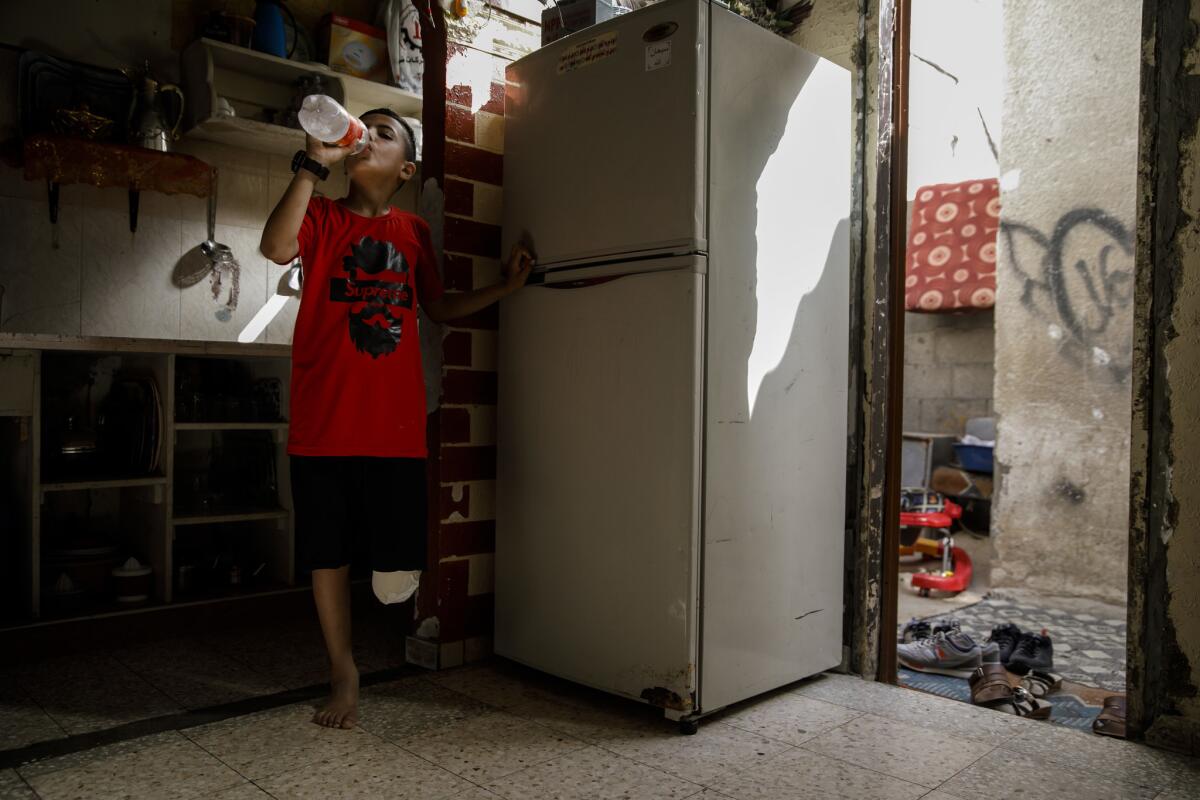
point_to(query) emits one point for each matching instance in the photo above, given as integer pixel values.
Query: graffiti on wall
(1079, 278)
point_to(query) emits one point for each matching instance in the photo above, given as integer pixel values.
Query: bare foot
(342, 709)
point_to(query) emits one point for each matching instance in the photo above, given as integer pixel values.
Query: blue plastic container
(269, 35)
(974, 457)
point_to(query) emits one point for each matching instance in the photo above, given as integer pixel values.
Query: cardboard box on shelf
(354, 47)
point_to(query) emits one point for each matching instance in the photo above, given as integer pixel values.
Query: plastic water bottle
(325, 119)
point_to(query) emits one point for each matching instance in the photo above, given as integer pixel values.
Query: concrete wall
(1063, 305)
(831, 31)
(948, 369)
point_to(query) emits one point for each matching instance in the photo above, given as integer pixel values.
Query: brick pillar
(463, 542)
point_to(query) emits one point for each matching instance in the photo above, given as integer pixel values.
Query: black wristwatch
(302, 161)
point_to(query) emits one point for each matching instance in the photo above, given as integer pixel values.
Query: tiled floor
(1088, 636)
(495, 731)
(47, 699)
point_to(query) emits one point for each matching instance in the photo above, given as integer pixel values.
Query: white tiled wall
(91, 277)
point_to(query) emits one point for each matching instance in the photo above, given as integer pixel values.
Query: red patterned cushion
(952, 247)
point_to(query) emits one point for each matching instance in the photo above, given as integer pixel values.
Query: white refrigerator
(672, 420)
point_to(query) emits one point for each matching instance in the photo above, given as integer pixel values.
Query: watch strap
(302, 161)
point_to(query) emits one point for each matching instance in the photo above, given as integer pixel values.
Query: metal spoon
(217, 253)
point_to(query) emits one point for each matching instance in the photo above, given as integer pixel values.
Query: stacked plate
(131, 427)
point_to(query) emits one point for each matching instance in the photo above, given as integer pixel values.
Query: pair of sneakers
(1023, 651)
(946, 650)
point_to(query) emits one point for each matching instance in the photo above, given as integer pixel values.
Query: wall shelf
(118, 483)
(247, 516)
(231, 426)
(258, 86)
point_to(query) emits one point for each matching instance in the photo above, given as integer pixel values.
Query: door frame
(1168, 113)
(878, 343)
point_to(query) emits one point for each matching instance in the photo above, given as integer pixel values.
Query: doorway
(1018, 321)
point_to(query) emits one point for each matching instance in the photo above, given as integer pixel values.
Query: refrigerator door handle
(581, 283)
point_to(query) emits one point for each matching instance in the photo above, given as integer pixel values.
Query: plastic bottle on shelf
(323, 118)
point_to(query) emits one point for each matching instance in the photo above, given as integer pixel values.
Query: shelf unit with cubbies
(200, 492)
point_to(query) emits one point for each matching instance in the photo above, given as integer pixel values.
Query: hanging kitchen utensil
(148, 117)
(210, 259)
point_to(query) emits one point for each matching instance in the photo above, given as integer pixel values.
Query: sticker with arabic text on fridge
(658, 55)
(587, 52)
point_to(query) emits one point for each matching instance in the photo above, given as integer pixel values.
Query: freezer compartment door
(604, 138)
(597, 496)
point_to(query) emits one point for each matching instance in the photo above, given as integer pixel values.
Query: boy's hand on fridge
(518, 267)
(324, 154)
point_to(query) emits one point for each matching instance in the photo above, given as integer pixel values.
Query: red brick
(474, 238)
(459, 464)
(460, 197)
(449, 505)
(468, 387)
(486, 320)
(456, 349)
(453, 578)
(460, 94)
(460, 124)
(495, 103)
(474, 164)
(480, 615)
(458, 273)
(467, 538)
(456, 426)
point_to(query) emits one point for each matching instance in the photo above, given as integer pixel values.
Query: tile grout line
(29, 696)
(133, 671)
(179, 722)
(28, 785)
(886, 715)
(940, 786)
(885, 774)
(733, 771)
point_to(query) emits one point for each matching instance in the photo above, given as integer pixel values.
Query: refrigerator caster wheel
(689, 727)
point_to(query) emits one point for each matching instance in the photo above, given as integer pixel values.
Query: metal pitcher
(148, 125)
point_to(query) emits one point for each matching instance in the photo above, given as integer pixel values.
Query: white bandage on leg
(395, 587)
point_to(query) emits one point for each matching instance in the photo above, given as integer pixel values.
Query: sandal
(1023, 704)
(989, 685)
(1111, 721)
(1039, 683)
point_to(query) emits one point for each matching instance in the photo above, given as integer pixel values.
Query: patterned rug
(1089, 649)
(1068, 708)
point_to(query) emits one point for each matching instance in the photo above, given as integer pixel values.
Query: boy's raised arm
(279, 235)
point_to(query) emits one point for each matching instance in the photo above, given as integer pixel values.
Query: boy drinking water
(357, 435)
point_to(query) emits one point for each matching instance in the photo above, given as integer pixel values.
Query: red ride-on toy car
(921, 510)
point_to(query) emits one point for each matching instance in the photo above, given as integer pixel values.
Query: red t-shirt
(357, 386)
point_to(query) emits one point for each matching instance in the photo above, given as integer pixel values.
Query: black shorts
(352, 509)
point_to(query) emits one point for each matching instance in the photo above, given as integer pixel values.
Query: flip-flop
(989, 685)
(1040, 683)
(1111, 721)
